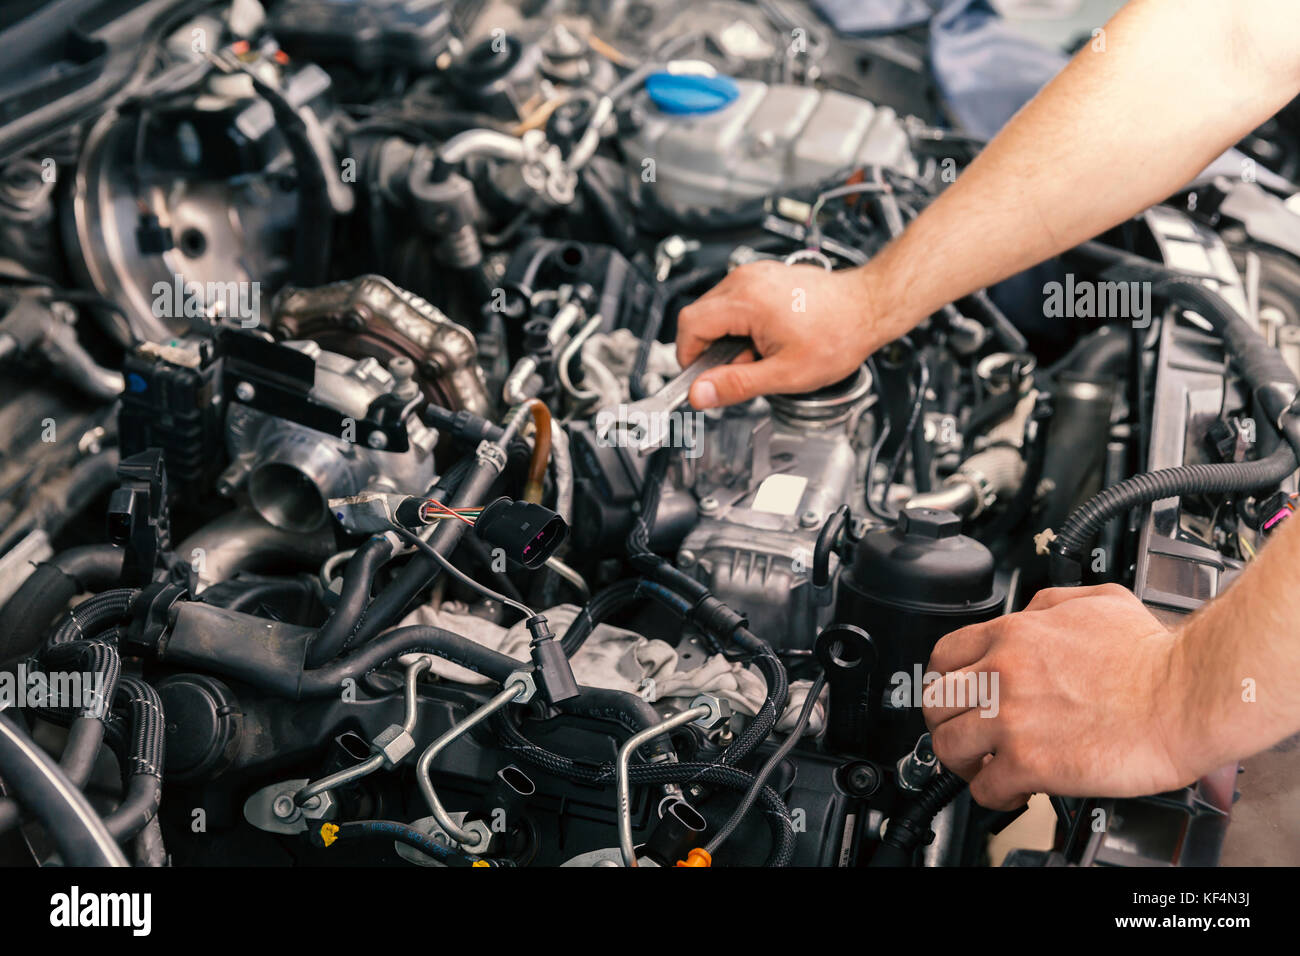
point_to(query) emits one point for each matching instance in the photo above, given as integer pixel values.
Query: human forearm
(1235, 670)
(1178, 82)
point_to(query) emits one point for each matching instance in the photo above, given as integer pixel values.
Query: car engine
(347, 453)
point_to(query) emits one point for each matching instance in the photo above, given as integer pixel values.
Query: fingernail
(704, 394)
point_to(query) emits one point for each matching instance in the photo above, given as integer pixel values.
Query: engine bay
(348, 457)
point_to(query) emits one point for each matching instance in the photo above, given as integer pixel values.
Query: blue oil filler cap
(686, 94)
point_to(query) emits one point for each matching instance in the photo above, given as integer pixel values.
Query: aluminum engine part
(220, 229)
(772, 137)
(766, 482)
(370, 317)
(291, 471)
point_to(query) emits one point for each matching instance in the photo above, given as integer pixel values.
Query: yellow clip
(329, 832)
(697, 857)
(481, 863)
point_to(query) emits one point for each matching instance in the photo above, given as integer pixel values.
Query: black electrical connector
(139, 521)
(552, 671)
(526, 532)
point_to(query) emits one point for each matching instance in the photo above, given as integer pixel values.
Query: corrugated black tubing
(1261, 367)
(95, 614)
(144, 753)
(908, 829)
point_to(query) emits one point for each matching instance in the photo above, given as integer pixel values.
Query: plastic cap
(697, 857)
(929, 523)
(685, 94)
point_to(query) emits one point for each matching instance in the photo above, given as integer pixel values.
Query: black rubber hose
(390, 603)
(95, 615)
(711, 615)
(28, 615)
(314, 228)
(1263, 369)
(48, 795)
(600, 200)
(94, 656)
(600, 608)
(339, 632)
(634, 714)
(626, 710)
(770, 764)
(86, 722)
(1102, 353)
(907, 830)
(1222, 478)
(95, 567)
(85, 737)
(145, 753)
(416, 639)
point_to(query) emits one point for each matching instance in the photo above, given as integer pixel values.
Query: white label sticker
(780, 494)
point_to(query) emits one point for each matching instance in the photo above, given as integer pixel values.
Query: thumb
(738, 382)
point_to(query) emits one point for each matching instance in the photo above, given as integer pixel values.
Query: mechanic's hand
(1088, 701)
(811, 327)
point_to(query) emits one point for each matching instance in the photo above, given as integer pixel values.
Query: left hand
(1088, 701)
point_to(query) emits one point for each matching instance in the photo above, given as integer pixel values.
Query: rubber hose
(908, 829)
(27, 616)
(95, 614)
(391, 603)
(145, 754)
(602, 605)
(416, 639)
(85, 737)
(1089, 518)
(402, 833)
(45, 792)
(339, 632)
(1263, 369)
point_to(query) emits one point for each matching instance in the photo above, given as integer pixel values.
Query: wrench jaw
(624, 431)
(645, 425)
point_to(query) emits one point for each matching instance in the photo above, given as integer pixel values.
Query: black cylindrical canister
(907, 587)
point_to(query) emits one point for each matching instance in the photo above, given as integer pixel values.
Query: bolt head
(377, 440)
(245, 392)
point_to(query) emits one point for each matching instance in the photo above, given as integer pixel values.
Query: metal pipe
(573, 577)
(481, 142)
(375, 760)
(625, 752)
(473, 840)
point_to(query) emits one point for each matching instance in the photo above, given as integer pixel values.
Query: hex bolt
(709, 503)
(284, 807)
